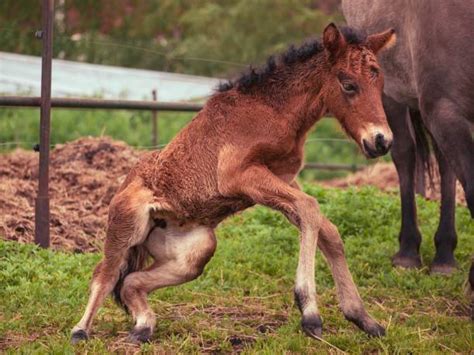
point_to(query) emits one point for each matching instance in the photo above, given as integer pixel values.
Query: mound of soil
(385, 177)
(84, 175)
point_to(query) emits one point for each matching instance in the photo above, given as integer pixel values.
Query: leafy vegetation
(244, 301)
(188, 36)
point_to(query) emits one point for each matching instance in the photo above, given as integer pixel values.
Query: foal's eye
(349, 88)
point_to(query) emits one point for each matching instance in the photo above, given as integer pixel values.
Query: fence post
(154, 113)
(42, 200)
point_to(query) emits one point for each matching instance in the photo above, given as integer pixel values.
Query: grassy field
(244, 300)
(134, 127)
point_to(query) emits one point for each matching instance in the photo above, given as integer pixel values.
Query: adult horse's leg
(404, 157)
(263, 187)
(129, 224)
(453, 136)
(180, 255)
(445, 237)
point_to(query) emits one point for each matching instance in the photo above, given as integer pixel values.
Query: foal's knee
(307, 211)
(330, 241)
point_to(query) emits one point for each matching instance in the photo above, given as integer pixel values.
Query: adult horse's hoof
(406, 262)
(443, 268)
(140, 335)
(312, 326)
(78, 336)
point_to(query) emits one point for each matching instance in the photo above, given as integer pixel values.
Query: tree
(214, 38)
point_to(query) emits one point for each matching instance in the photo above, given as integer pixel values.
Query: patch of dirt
(251, 321)
(384, 176)
(84, 175)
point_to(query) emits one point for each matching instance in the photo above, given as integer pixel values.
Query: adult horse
(244, 148)
(429, 81)
(429, 84)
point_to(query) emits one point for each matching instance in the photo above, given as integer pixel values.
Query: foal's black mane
(255, 76)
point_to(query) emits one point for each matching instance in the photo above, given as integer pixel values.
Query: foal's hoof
(140, 335)
(78, 336)
(312, 326)
(443, 268)
(375, 330)
(367, 324)
(406, 262)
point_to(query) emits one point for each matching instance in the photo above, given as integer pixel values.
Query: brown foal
(244, 148)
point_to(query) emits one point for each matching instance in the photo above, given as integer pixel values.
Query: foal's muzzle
(379, 145)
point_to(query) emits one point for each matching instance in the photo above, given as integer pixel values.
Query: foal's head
(353, 87)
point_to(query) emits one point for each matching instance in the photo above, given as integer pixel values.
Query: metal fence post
(42, 200)
(154, 113)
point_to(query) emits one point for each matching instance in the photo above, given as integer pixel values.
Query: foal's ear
(334, 41)
(382, 40)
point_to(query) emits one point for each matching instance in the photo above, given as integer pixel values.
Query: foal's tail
(136, 260)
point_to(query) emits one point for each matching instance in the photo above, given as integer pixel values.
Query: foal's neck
(296, 91)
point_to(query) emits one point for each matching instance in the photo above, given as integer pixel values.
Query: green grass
(245, 297)
(134, 127)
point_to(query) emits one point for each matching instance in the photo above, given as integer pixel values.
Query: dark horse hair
(253, 77)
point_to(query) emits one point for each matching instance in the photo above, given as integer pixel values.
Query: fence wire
(159, 146)
(308, 165)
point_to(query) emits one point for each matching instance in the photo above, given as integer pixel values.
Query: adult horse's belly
(400, 89)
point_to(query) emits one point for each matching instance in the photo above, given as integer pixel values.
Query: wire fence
(126, 45)
(330, 166)
(154, 107)
(160, 146)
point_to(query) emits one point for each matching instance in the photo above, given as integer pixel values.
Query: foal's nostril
(378, 145)
(381, 145)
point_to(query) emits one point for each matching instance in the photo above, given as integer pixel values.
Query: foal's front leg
(259, 184)
(330, 243)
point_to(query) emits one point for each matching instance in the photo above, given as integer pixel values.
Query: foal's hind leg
(103, 281)
(129, 224)
(180, 255)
